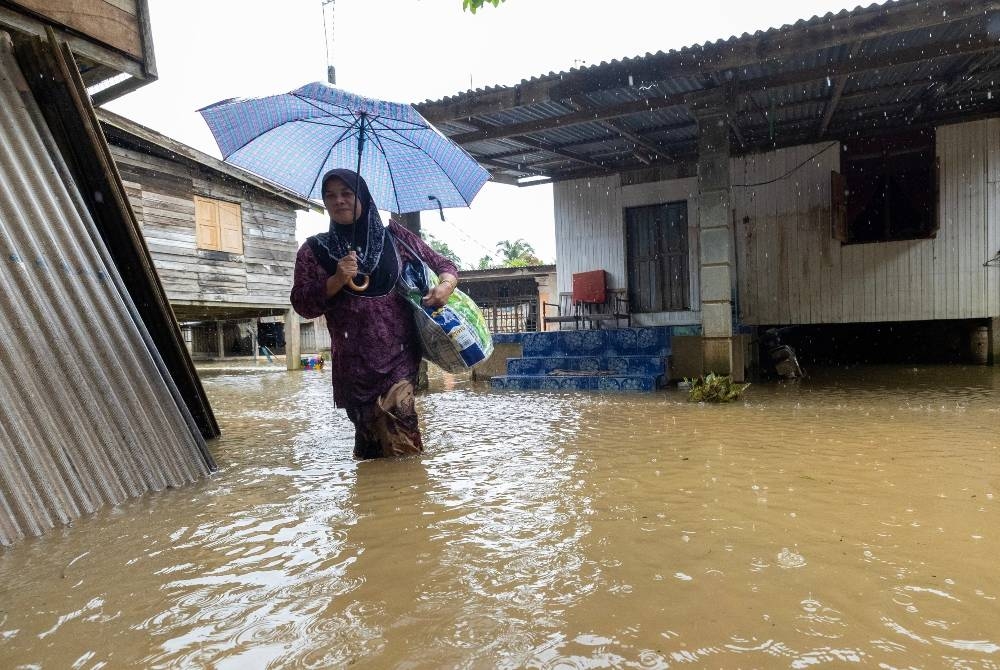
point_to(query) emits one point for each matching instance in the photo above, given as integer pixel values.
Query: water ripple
(845, 520)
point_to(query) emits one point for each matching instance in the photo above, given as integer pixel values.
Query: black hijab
(367, 236)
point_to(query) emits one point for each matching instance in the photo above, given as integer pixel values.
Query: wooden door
(657, 247)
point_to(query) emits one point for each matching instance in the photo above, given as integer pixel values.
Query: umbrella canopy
(292, 139)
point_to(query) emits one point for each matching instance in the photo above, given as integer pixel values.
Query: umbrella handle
(359, 287)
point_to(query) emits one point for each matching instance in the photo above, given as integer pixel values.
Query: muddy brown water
(849, 519)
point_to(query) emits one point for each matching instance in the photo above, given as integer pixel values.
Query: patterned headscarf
(366, 237)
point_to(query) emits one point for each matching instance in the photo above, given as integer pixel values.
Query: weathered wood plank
(99, 19)
(236, 270)
(271, 252)
(168, 202)
(168, 220)
(167, 246)
(225, 298)
(160, 235)
(127, 6)
(277, 274)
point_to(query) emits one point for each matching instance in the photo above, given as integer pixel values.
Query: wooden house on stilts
(222, 240)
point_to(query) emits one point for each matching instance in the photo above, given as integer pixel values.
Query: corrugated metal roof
(123, 131)
(88, 417)
(815, 21)
(783, 83)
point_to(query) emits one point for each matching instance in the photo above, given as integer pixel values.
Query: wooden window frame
(218, 225)
(896, 156)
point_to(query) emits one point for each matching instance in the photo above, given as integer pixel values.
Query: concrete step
(654, 341)
(621, 365)
(614, 383)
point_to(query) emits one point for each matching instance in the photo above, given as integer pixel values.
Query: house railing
(510, 315)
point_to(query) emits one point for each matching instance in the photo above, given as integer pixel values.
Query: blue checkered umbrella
(292, 139)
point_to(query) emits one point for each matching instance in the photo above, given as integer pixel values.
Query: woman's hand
(347, 268)
(438, 295)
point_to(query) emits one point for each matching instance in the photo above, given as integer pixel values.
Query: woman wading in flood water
(375, 349)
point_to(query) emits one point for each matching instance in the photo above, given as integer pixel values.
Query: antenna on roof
(331, 71)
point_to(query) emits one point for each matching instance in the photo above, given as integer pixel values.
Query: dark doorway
(657, 244)
(907, 342)
(272, 336)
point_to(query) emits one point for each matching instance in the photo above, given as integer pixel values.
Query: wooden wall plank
(104, 21)
(262, 273)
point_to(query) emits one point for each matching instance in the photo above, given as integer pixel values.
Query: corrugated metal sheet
(693, 49)
(88, 419)
(773, 110)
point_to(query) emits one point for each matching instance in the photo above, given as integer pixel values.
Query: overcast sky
(416, 50)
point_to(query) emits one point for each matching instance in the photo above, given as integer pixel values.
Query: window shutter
(838, 206)
(206, 216)
(231, 227)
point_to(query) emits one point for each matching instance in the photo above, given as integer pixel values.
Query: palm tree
(517, 253)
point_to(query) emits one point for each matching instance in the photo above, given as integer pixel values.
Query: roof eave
(145, 134)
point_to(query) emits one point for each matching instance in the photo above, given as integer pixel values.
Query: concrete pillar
(410, 221)
(293, 345)
(253, 339)
(220, 340)
(716, 238)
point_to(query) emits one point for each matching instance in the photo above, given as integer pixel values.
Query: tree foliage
(442, 248)
(517, 253)
(485, 263)
(474, 5)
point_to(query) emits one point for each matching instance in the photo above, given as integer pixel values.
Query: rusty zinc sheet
(87, 418)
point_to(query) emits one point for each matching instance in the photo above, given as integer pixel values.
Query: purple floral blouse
(374, 341)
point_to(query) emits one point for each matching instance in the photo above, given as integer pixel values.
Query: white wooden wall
(788, 267)
(589, 230)
(787, 262)
(590, 233)
(792, 271)
(991, 276)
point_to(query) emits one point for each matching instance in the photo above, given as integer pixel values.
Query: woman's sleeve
(309, 287)
(436, 261)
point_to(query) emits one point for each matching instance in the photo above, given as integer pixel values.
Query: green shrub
(715, 388)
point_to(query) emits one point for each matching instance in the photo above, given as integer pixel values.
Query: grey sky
(414, 50)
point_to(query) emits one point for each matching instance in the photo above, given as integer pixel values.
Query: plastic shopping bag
(454, 337)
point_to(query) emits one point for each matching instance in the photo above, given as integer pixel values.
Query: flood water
(853, 518)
